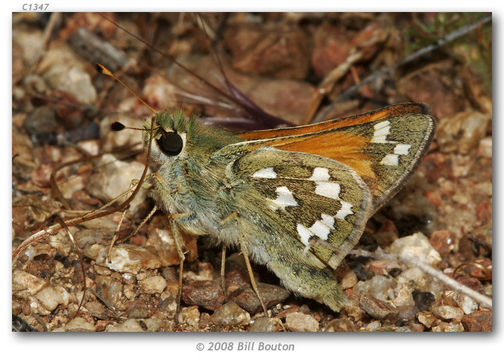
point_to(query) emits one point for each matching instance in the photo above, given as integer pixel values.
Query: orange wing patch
(335, 145)
(381, 114)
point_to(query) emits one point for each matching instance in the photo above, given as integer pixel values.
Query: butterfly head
(179, 137)
(169, 136)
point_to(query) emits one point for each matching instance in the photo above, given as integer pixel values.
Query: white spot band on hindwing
(346, 209)
(330, 189)
(323, 187)
(283, 200)
(320, 228)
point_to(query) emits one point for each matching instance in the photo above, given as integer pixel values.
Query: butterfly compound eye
(170, 143)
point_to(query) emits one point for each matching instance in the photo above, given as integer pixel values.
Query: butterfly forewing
(321, 203)
(382, 147)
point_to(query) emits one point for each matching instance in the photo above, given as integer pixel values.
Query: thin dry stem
(454, 284)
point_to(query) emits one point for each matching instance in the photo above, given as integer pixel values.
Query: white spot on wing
(320, 174)
(393, 159)
(304, 234)
(266, 173)
(390, 159)
(381, 130)
(346, 209)
(382, 125)
(328, 220)
(328, 189)
(320, 228)
(402, 149)
(283, 200)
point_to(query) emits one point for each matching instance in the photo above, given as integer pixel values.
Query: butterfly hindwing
(322, 203)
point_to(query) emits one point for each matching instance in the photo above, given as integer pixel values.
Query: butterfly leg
(114, 238)
(233, 216)
(178, 243)
(144, 221)
(223, 269)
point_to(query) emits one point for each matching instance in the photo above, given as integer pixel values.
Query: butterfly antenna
(102, 69)
(118, 126)
(172, 59)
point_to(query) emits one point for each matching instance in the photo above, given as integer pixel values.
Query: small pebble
(124, 258)
(403, 296)
(139, 312)
(207, 294)
(299, 322)
(96, 309)
(412, 277)
(160, 92)
(461, 166)
(444, 241)
(31, 43)
(349, 280)
(65, 71)
(125, 137)
(114, 177)
(190, 316)
(266, 325)
(230, 314)
(79, 324)
(40, 123)
(376, 308)
(380, 287)
(50, 297)
(130, 325)
(129, 291)
(373, 326)
(417, 246)
(485, 147)
(467, 304)
(427, 319)
(478, 321)
(271, 295)
(153, 284)
(423, 300)
(447, 312)
(341, 325)
(448, 327)
(23, 282)
(205, 271)
(406, 313)
(382, 267)
(153, 324)
(109, 290)
(462, 132)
